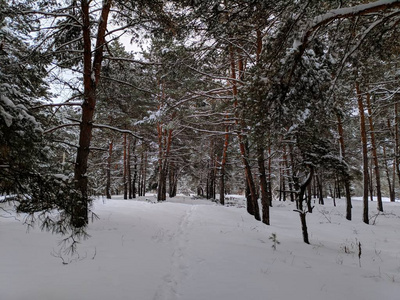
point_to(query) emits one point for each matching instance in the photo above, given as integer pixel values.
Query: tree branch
(61, 126)
(132, 60)
(58, 104)
(102, 126)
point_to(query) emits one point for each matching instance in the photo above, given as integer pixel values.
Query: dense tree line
(279, 100)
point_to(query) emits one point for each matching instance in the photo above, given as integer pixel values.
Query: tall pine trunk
(374, 155)
(397, 140)
(223, 164)
(345, 177)
(265, 199)
(125, 173)
(252, 203)
(135, 170)
(108, 183)
(128, 169)
(364, 152)
(91, 77)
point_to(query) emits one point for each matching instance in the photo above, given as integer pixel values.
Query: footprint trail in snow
(169, 289)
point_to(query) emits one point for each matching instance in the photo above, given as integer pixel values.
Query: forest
(275, 100)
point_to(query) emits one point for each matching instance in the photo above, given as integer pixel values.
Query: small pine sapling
(274, 240)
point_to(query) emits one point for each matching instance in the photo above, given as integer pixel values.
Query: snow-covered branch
(347, 12)
(208, 131)
(52, 14)
(102, 126)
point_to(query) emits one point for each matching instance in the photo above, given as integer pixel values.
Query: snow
(195, 249)
(353, 10)
(8, 119)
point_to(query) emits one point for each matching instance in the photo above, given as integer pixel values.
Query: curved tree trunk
(301, 197)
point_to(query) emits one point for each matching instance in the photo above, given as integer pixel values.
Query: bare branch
(61, 126)
(58, 104)
(132, 60)
(129, 84)
(214, 76)
(66, 143)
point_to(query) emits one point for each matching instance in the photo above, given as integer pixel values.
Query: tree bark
(128, 168)
(320, 190)
(252, 207)
(140, 180)
(397, 140)
(364, 152)
(374, 155)
(125, 173)
(135, 170)
(91, 77)
(108, 184)
(144, 175)
(302, 213)
(223, 164)
(345, 178)
(263, 185)
(390, 186)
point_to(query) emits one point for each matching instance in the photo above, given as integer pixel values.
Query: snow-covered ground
(196, 250)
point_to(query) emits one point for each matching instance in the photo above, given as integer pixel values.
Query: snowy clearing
(195, 250)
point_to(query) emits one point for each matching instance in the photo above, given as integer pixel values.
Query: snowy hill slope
(196, 250)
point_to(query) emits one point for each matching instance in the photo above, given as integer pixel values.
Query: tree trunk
(263, 185)
(290, 173)
(309, 198)
(132, 179)
(269, 179)
(253, 207)
(135, 170)
(320, 190)
(397, 139)
(374, 155)
(300, 210)
(345, 177)
(108, 184)
(371, 186)
(140, 180)
(128, 168)
(365, 153)
(125, 173)
(144, 175)
(390, 186)
(172, 179)
(222, 170)
(91, 76)
(304, 227)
